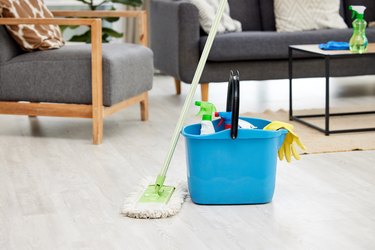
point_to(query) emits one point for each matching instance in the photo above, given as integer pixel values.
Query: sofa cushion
(64, 75)
(247, 12)
(300, 15)
(31, 37)
(268, 16)
(261, 45)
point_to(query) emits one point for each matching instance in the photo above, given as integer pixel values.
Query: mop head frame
(147, 204)
(162, 196)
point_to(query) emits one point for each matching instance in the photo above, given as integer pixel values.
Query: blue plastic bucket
(221, 170)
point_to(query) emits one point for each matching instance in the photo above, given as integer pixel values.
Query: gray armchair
(79, 80)
(259, 52)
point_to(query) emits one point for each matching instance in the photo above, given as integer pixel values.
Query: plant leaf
(134, 3)
(85, 37)
(112, 33)
(105, 38)
(64, 27)
(112, 19)
(83, 1)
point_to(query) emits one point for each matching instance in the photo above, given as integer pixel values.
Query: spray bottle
(206, 112)
(226, 117)
(358, 42)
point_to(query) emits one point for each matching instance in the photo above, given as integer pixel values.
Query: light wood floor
(57, 191)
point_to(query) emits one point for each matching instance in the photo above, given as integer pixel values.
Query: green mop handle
(188, 101)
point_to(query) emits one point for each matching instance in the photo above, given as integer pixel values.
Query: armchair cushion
(64, 75)
(31, 37)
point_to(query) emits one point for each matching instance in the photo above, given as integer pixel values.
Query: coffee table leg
(290, 84)
(327, 73)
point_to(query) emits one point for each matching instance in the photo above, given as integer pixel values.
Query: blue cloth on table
(333, 45)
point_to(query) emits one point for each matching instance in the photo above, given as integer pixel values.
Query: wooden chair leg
(33, 116)
(97, 126)
(144, 107)
(97, 81)
(178, 86)
(204, 91)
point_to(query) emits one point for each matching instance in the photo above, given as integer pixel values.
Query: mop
(158, 200)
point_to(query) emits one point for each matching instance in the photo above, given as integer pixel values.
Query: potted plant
(107, 31)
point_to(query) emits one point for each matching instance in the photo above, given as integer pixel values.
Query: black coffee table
(327, 55)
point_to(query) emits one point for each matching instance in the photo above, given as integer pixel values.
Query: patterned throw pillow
(299, 15)
(31, 37)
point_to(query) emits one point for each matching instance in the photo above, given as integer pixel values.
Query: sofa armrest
(175, 33)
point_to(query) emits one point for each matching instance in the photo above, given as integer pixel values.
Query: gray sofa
(259, 52)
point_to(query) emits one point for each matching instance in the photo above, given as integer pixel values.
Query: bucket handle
(233, 101)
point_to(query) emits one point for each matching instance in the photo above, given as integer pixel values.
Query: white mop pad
(150, 210)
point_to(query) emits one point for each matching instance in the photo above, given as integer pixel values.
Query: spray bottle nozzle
(206, 110)
(226, 117)
(358, 11)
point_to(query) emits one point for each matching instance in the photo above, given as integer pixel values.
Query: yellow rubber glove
(287, 150)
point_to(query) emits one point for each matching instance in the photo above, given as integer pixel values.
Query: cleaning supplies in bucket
(206, 111)
(287, 149)
(226, 117)
(222, 170)
(238, 165)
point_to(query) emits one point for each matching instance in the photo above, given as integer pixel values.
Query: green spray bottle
(358, 42)
(206, 111)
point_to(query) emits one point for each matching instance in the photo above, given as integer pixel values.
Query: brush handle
(194, 85)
